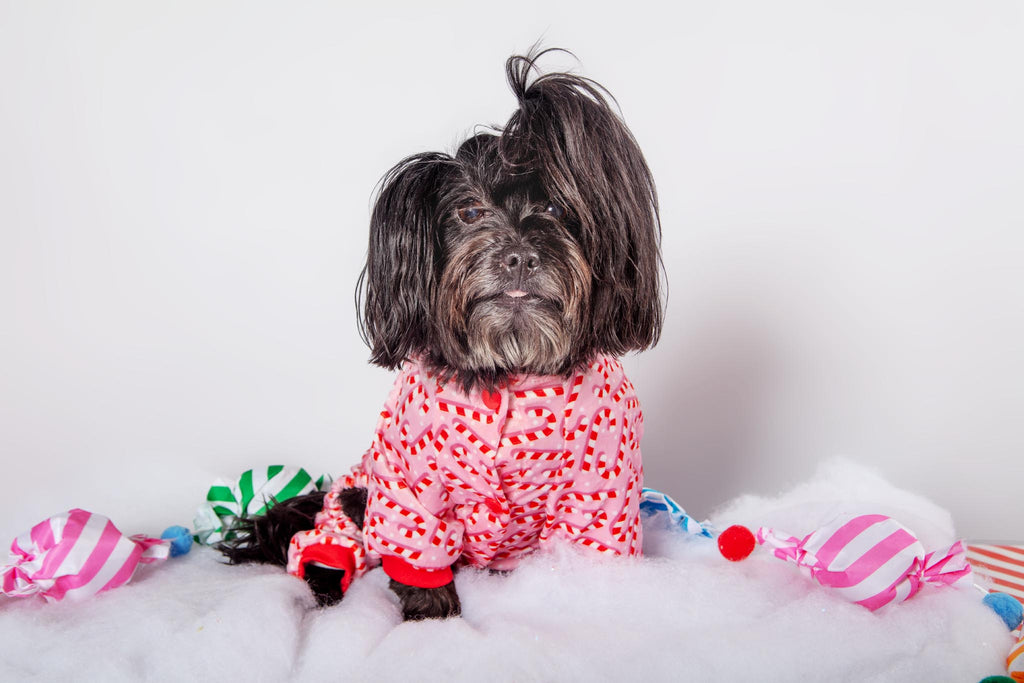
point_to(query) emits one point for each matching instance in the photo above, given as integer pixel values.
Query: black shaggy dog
(532, 251)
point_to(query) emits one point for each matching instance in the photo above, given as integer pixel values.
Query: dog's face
(526, 252)
(514, 284)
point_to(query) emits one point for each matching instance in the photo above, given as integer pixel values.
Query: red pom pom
(736, 543)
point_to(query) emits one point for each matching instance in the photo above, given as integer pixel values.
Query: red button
(492, 401)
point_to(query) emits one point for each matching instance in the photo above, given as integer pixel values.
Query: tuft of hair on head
(566, 131)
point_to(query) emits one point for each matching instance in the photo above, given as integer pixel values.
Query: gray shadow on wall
(704, 414)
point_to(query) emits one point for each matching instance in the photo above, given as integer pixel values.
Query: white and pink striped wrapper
(871, 560)
(75, 555)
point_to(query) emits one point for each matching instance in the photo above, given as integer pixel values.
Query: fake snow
(683, 613)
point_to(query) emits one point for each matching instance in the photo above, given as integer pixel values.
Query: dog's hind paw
(427, 603)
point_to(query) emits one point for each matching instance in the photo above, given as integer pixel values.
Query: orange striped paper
(1001, 565)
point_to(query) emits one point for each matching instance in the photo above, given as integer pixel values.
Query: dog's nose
(521, 261)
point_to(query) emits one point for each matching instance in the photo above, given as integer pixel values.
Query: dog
(503, 282)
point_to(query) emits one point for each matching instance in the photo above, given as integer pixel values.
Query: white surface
(682, 614)
(184, 193)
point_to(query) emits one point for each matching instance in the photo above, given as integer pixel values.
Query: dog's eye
(471, 214)
(555, 210)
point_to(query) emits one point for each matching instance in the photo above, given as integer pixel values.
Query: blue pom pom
(1007, 607)
(181, 539)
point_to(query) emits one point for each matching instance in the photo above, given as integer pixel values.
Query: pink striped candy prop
(871, 560)
(75, 555)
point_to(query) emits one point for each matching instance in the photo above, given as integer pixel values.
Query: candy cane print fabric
(487, 477)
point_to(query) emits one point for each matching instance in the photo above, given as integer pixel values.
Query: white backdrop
(184, 193)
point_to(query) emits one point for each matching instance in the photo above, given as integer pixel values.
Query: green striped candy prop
(250, 496)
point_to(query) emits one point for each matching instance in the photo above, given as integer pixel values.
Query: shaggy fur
(559, 204)
(264, 539)
(532, 249)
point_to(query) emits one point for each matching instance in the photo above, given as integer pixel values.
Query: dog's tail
(264, 538)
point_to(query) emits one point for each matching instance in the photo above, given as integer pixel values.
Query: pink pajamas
(486, 478)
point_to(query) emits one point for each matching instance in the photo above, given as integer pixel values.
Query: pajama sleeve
(408, 516)
(335, 541)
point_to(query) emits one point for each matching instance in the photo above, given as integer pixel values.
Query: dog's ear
(566, 131)
(402, 266)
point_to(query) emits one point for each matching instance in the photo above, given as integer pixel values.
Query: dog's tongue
(515, 293)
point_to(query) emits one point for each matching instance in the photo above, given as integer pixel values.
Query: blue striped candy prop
(656, 505)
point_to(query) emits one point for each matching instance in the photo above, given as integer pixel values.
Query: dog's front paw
(427, 603)
(325, 582)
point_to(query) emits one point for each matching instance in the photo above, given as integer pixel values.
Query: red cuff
(331, 556)
(403, 572)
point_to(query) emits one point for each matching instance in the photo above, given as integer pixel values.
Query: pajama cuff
(334, 556)
(403, 572)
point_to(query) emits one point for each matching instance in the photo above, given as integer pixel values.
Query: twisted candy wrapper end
(75, 555)
(947, 566)
(871, 560)
(783, 547)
